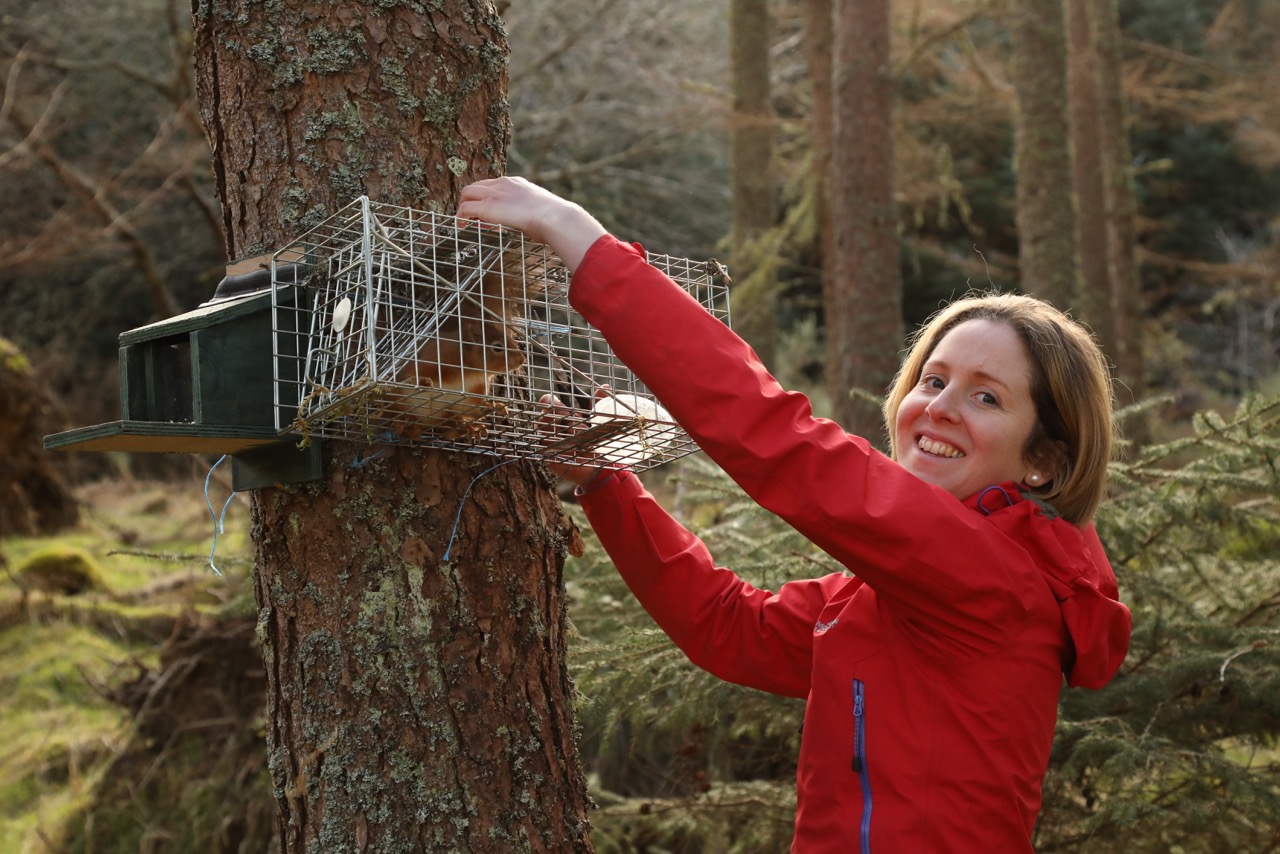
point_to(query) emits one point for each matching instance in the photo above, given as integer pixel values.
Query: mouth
(934, 448)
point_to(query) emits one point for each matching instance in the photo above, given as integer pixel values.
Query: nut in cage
(421, 328)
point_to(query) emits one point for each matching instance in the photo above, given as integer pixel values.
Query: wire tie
(218, 520)
(458, 517)
(360, 461)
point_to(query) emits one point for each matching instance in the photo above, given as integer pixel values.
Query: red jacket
(932, 673)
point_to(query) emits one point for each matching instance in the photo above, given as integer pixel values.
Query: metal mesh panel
(397, 325)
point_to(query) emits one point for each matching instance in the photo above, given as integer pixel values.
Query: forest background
(110, 221)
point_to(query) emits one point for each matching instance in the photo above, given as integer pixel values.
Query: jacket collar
(1007, 494)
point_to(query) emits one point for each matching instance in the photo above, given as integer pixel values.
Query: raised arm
(543, 216)
(940, 561)
(912, 542)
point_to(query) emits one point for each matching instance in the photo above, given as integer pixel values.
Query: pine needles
(1179, 752)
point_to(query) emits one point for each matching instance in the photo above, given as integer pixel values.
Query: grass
(59, 732)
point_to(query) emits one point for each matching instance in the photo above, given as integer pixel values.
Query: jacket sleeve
(723, 624)
(937, 560)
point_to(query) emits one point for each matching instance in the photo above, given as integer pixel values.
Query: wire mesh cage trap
(392, 324)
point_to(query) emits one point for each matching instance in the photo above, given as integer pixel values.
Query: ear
(1046, 462)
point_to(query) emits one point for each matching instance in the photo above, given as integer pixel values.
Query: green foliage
(193, 798)
(1179, 751)
(1199, 81)
(56, 730)
(1177, 24)
(681, 760)
(77, 773)
(734, 818)
(1203, 189)
(12, 359)
(192, 774)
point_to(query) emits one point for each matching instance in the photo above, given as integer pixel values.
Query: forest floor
(132, 692)
(129, 687)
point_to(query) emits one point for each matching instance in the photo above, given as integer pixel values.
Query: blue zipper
(860, 762)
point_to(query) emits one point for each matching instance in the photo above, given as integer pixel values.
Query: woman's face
(964, 425)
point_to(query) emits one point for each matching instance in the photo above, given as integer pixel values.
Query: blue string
(218, 520)
(458, 518)
(388, 439)
(359, 461)
(983, 497)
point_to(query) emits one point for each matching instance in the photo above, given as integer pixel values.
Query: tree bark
(413, 704)
(1121, 206)
(1042, 153)
(751, 179)
(863, 301)
(817, 38)
(1089, 177)
(309, 105)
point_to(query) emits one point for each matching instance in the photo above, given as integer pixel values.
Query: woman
(932, 673)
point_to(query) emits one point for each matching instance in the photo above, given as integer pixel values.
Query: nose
(943, 406)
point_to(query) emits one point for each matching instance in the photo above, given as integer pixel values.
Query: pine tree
(1179, 751)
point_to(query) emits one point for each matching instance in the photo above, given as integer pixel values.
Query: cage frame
(609, 416)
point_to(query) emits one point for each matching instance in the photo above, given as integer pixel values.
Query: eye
(933, 381)
(988, 398)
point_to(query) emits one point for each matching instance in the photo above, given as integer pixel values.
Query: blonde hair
(1070, 387)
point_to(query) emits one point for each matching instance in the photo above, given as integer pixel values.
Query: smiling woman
(1008, 352)
(966, 423)
(932, 671)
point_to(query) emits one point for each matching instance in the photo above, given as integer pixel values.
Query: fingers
(542, 215)
(551, 420)
(563, 425)
(496, 200)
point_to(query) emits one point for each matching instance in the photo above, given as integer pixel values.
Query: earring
(1034, 479)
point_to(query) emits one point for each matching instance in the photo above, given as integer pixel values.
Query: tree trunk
(413, 704)
(1042, 153)
(863, 302)
(817, 38)
(1089, 177)
(1121, 206)
(751, 180)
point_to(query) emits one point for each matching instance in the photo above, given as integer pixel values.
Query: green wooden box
(204, 383)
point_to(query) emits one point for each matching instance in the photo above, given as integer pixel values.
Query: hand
(559, 420)
(542, 215)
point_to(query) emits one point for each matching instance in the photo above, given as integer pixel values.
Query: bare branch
(33, 133)
(93, 196)
(590, 24)
(11, 84)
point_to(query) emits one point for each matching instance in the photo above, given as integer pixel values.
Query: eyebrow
(983, 375)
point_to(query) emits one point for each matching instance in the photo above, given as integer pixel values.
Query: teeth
(940, 449)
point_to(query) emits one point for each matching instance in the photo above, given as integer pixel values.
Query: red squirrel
(472, 345)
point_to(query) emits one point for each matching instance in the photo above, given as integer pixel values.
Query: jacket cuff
(607, 484)
(598, 252)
